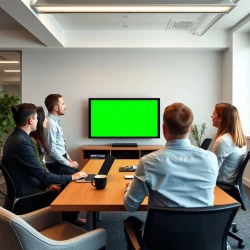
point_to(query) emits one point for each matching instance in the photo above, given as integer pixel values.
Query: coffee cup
(99, 181)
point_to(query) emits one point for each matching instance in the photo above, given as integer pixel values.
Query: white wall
(241, 86)
(194, 78)
(241, 77)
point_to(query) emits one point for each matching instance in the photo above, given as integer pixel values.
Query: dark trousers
(137, 225)
(58, 168)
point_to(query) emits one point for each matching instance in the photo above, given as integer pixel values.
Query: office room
(198, 59)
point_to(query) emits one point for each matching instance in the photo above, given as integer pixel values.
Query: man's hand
(78, 175)
(73, 164)
(55, 187)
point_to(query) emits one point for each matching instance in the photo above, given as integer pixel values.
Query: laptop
(106, 166)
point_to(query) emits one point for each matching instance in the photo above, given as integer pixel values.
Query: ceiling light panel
(139, 6)
(9, 62)
(12, 70)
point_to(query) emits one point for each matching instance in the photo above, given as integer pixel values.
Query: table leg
(91, 218)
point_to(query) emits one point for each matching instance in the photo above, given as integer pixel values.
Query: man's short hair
(178, 118)
(22, 112)
(51, 100)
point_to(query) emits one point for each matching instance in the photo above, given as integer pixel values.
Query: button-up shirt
(179, 175)
(55, 141)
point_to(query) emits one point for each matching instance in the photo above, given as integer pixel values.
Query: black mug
(100, 181)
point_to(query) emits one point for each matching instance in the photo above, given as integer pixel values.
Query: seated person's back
(180, 175)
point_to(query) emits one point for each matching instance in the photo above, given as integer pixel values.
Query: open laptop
(106, 166)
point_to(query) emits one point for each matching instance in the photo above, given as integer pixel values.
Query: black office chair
(185, 228)
(24, 204)
(237, 191)
(206, 143)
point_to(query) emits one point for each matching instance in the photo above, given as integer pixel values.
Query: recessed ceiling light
(12, 70)
(125, 26)
(9, 62)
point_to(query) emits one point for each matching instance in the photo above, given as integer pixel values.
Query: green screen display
(135, 118)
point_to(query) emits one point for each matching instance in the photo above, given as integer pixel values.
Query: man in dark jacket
(20, 160)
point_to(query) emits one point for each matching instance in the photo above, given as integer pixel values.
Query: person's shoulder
(225, 139)
(154, 155)
(33, 140)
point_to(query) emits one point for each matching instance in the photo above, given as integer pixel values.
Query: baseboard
(246, 182)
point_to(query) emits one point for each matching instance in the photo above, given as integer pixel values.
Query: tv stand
(101, 151)
(124, 145)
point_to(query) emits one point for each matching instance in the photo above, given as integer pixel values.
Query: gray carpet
(112, 222)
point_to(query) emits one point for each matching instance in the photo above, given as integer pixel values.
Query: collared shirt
(179, 175)
(229, 157)
(55, 141)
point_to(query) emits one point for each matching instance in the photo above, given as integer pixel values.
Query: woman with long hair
(39, 143)
(230, 141)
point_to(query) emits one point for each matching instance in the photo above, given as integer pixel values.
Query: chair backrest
(206, 143)
(11, 190)
(188, 228)
(8, 237)
(242, 197)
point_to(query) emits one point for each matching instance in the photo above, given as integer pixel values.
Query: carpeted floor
(112, 222)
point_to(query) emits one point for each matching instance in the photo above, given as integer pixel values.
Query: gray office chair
(45, 230)
(185, 228)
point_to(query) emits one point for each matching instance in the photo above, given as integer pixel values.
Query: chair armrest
(92, 240)
(224, 183)
(34, 202)
(131, 234)
(42, 218)
(226, 186)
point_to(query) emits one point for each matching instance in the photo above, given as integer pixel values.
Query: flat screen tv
(124, 117)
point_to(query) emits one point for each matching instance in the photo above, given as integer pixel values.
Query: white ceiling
(104, 30)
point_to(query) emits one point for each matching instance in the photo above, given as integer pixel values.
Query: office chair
(44, 229)
(185, 228)
(206, 143)
(24, 204)
(237, 191)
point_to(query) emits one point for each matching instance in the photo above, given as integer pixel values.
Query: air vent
(181, 24)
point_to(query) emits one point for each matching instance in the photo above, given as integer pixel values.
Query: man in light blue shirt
(57, 161)
(179, 175)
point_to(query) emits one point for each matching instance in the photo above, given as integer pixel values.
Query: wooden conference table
(84, 197)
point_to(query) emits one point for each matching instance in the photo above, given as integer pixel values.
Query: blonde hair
(230, 123)
(178, 118)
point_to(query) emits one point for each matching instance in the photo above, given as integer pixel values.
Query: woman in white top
(230, 141)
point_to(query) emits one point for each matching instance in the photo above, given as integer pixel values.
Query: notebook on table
(106, 166)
